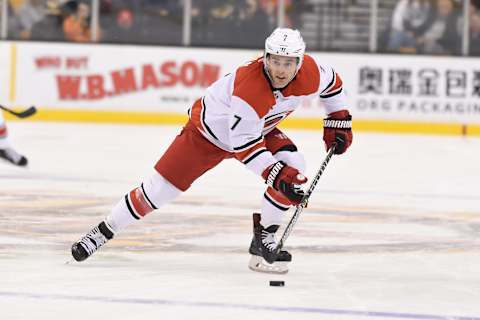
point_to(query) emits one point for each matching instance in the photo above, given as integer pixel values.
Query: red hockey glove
(338, 128)
(286, 180)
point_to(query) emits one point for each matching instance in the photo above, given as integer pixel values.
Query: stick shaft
(304, 201)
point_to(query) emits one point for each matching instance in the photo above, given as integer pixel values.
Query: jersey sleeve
(332, 92)
(246, 136)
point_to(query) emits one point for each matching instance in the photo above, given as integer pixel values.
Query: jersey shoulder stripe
(334, 87)
(331, 83)
(252, 86)
(307, 80)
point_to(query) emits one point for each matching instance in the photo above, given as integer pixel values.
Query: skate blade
(258, 264)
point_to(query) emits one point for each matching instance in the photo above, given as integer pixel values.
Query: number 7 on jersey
(236, 122)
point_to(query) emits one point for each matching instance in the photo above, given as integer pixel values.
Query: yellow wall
(384, 126)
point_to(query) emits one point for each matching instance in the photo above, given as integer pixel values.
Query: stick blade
(27, 113)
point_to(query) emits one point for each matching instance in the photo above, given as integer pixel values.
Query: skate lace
(93, 240)
(268, 240)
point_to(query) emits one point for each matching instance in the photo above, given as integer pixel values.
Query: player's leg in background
(274, 204)
(188, 157)
(7, 152)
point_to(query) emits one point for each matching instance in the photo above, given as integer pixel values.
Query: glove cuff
(338, 120)
(273, 173)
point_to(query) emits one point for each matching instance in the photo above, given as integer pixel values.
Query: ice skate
(91, 242)
(13, 157)
(262, 249)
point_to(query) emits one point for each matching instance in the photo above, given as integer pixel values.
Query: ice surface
(390, 233)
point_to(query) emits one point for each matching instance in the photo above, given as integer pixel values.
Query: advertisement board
(117, 78)
(414, 88)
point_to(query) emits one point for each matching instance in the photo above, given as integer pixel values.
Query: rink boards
(140, 84)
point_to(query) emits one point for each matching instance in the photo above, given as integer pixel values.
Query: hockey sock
(274, 206)
(152, 194)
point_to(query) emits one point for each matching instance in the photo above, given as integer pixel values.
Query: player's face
(281, 69)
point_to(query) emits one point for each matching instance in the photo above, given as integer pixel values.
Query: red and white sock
(152, 194)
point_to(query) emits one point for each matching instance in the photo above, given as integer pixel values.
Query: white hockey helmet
(285, 42)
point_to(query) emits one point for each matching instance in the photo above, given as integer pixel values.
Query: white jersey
(240, 108)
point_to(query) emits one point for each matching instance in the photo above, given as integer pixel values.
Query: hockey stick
(304, 201)
(22, 114)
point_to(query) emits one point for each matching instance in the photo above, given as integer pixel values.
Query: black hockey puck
(277, 283)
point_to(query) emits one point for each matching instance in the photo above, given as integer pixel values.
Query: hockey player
(6, 150)
(237, 118)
